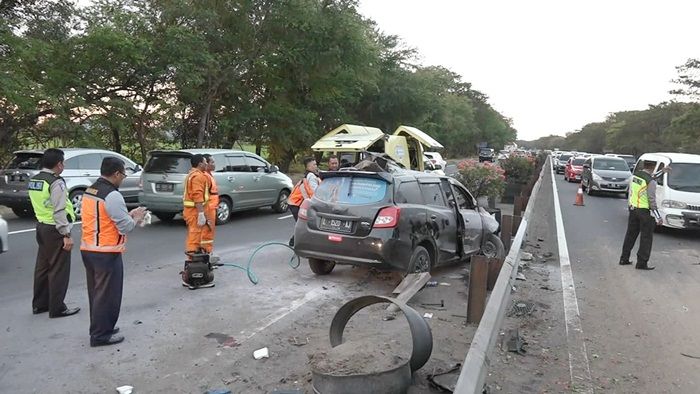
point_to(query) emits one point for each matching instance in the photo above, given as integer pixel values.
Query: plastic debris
(520, 277)
(431, 283)
(218, 391)
(445, 284)
(261, 353)
(125, 389)
(525, 256)
(428, 315)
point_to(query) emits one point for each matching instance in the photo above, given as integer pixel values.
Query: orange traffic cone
(579, 195)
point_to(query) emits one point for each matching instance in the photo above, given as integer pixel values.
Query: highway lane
(636, 324)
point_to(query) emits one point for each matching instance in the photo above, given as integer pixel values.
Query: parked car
(678, 191)
(629, 159)
(605, 174)
(82, 168)
(573, 169)
(437, 160)
(3, 235)
(486, 154)
(245, 181)
(560, 162)
(406, 220)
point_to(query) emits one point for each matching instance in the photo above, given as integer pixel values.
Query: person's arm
(313, 180)
(199, 185)
(58, 200)
(116, 209)
(651, 195)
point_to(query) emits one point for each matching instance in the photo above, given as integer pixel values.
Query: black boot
(643, 266)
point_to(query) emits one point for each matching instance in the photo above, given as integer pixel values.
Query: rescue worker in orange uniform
(195, 200)
(209, 231)
(303, 190)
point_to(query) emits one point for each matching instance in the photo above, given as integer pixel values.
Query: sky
(551, 66)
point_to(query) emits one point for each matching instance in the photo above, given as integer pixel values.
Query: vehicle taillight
(387, 218)
(304, 210)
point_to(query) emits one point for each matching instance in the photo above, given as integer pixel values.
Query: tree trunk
(258, 148)
(202, 126)
(116, 140)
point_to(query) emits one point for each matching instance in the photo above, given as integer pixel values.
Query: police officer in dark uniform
(643, 217)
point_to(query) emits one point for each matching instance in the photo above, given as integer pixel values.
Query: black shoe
(644, 267)
(37, 311)
(115, 330)
(625, 262)
(66, 312)
(113, 340)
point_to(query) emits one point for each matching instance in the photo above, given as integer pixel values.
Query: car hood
(613, 174)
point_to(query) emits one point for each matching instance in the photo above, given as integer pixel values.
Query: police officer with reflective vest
(55, 216)
(105, 225)
(304, 189)
(643, 216)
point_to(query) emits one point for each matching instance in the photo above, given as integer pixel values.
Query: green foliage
(518, 169)
(482, 179)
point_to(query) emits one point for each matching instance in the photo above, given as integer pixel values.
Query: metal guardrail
(473, 374)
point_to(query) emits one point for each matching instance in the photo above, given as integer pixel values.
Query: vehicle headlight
(674, 204)
(597, 177)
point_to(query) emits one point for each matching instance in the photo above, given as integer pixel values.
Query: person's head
(333, 163)
(211, 164)
(53, 160)
(310, 164)
(198, 162)
(112, 169)
(649, 166)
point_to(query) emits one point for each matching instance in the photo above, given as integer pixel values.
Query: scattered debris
(261, 353)
(409, 286)
(462, 276)
(520, 276)
(432, 283)
(526, 256)
(462, 316)
(440, 304)
(685, 308)
(515, 342)
(548, 254)
(545, 287)
(691, 356)
(137, 322)
(521, 308)
(218, 391)
(223, 339)
(389, 317)
(540, 239)
(446, 380)
(287, 391)
(428, 315)
(125, 389)
(445, 284)
(295, 342)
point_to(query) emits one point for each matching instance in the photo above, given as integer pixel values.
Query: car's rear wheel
(420, 260)
(23, 212)
(281, 205)
(76, 198)
(321, 267)
(493, 247)
(223, 210)
(165, 216)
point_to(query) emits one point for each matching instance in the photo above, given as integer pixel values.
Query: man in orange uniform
(303, 190)
(209, 231)
(195, 200)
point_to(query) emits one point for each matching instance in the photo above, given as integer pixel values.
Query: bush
(482, 179)
(518, 169)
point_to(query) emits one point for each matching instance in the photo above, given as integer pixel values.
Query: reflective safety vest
(213, 191)
(638, 191)
(301, 191)
(100, 233)
(40, 195)
(187, 200)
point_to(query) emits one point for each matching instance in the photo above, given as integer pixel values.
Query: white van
(678, 191)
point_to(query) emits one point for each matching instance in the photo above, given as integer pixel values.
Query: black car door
(441, 219)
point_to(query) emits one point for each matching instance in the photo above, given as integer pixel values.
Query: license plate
(17, 178)
(165, 187)
(341, 226)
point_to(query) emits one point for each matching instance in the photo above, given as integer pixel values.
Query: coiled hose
(293, 262)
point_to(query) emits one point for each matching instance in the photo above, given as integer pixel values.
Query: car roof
(674, 157)
(70, 152)
(200, 151)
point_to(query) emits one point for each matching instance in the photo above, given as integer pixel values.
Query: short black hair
(111, 165)
(207, 156)
(332, 157)
(308, 160)
(52, 157)
(196, 159)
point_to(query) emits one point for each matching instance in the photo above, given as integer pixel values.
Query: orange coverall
(196, 192)
(209, 232)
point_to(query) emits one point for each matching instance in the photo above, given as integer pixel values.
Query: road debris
(125, 389)
(515, 342)
(218, 391)
(295, 342)
(526, 256)
(690, 356)
(445, 284)
(428, 315)
(440, 304)
(137, 322)
(432, 283)
(520, 276)
(445, 380)
(521, 308)
(261, 353)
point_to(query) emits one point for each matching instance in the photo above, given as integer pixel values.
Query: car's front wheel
(76, 198)
(165, 216)
(420, 261)
(223, 210)
(281, 205)
(493, 247)
(23, 212)
(321, 267)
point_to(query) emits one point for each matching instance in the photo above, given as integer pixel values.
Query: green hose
(251, 275)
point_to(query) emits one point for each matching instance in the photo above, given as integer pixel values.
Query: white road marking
(28, 230)
(285, 217)
(580, 369)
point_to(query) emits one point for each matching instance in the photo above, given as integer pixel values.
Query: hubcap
(422, 263)
(223, 211)
(489, 250)
(77, 203)
(283, 201)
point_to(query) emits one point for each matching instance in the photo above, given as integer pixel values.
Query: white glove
(201, 219)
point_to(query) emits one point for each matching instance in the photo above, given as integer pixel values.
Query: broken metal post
(518, 206)
(506, 231)
(495, 266)
(476, 298)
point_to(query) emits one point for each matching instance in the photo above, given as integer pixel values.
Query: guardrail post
(506, 230)
(476, 296)
(516, 224)
(495, 266)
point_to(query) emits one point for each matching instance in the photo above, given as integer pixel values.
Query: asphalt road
(636, 324)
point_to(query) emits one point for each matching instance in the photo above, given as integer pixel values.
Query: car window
(168, 163)
(26, 161)
(613, 164)
(432, 194)
(71, 164)
(577, 162)
(90, 161)
(127, 163)
(464, 199)
(220, 163)
(684, 177)
(236, 164)
(660, 180)
(408, 193)
(255, 164)
(352, 190)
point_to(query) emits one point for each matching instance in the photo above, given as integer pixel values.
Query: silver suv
(82, 168)
(245, 181)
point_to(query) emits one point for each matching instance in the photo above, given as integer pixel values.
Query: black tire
(76, 197)
(223, 210)
(23, 212)
(493, 247)
(589, 191)
(165, 216)
(420, 261)
(321, 267)
(281, 205)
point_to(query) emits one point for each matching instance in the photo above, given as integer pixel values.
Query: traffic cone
(579, 195)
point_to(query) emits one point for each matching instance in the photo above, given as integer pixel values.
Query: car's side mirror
(273, 168)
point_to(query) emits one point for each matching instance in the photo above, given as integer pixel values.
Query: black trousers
(640, 222)
(105, 280)
(295, 212)
(52, 270)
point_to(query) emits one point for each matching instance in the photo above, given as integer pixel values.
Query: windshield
(564, 157)
(684, 177)
(26, 161)
(610, 164)
(352, 190)
(172, 164)
(578, 162)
